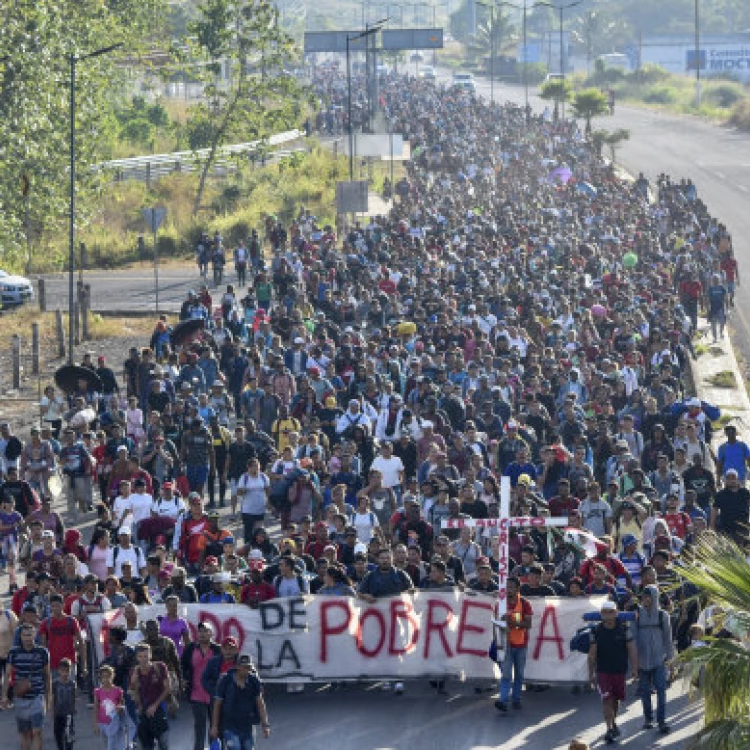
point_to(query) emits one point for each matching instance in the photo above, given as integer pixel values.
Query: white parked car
(465, 81)
(428, 73)
(15, 290)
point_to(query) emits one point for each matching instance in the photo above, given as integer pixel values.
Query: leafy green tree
(721, 669)
(590, 103)
(557, 90)
(249, 94)
(614, 139)
(36, 39)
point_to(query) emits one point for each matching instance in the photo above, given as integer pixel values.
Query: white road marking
(743, 188)
(720, 175)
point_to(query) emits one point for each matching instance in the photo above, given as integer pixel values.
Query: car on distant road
(428, 73)
(465, 81)
(15, 290)
(416, 57)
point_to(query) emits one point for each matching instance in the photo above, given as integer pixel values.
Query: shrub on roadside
(660, 94)
(725, 95)
(740, 116)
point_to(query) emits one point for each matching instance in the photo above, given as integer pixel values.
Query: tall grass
(233, 206)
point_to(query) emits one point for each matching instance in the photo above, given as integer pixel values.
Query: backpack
(583, 638)
(279, 497)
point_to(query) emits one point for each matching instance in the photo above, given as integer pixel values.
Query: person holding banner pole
(517, 621)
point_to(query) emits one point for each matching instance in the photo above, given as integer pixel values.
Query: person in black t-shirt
(611, 650)
(731, 508)
(535, 587)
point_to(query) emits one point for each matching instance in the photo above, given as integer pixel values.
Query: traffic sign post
(154, 218)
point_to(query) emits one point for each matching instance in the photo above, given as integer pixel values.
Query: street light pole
(697, 55)
(561, 9)
(362, 35)
(74, 59)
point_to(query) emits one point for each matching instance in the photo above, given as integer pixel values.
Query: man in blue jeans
(653, 643)
(518, 624)
(238, 706)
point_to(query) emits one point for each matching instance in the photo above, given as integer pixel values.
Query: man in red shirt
(61, 635)
(191, 540)
(518, 624)
(256, 590)
(609, 562)
(678, 521)
(316, 547)
(563, 503)
(691, 291)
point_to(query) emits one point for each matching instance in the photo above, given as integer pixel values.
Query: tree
(557, 90)
(494, 34)
(614, 139)
(721, 669)
(241, 40)
(590, 103)
(36, 39)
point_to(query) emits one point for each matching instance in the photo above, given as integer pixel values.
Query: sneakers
(500, 706)
(609, 737)
(664, 728)
(398, 688)
(615, 731)
(648, 724)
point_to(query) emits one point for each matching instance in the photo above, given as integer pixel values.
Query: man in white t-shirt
(141, 504)
(169, 504)
(122, 506)
(391, 467)
(123, 552)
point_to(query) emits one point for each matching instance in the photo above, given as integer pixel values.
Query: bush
(535, 73)
(660, 95)
(650, 73)
(725, 95)
(740, 116)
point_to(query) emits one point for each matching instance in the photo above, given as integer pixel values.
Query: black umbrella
(187, 328)
(68, 376)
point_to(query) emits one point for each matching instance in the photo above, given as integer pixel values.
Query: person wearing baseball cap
(238, 706)
(256, 590)
(612, 649)
(220, 664)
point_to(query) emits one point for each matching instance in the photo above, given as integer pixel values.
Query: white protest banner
(426, 635)
(534, 522)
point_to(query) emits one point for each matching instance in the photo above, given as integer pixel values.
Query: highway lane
(362, 717)
(715, 157)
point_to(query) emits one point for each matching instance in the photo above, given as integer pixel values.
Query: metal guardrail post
(35, 348)
(42, 295)
(16, 362)
(60, 333)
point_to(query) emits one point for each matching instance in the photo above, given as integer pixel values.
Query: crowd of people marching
(522, 311)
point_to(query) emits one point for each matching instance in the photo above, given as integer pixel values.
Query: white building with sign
(718, 54)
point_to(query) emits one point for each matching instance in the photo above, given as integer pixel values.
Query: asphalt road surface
(364, 718)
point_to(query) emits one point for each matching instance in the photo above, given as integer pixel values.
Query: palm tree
(720, 570)
(505, 32)
(590, 103)
(557, 90)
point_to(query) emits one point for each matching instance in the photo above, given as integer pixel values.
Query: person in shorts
(32, 687)
(612, 648)
(10, 524)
